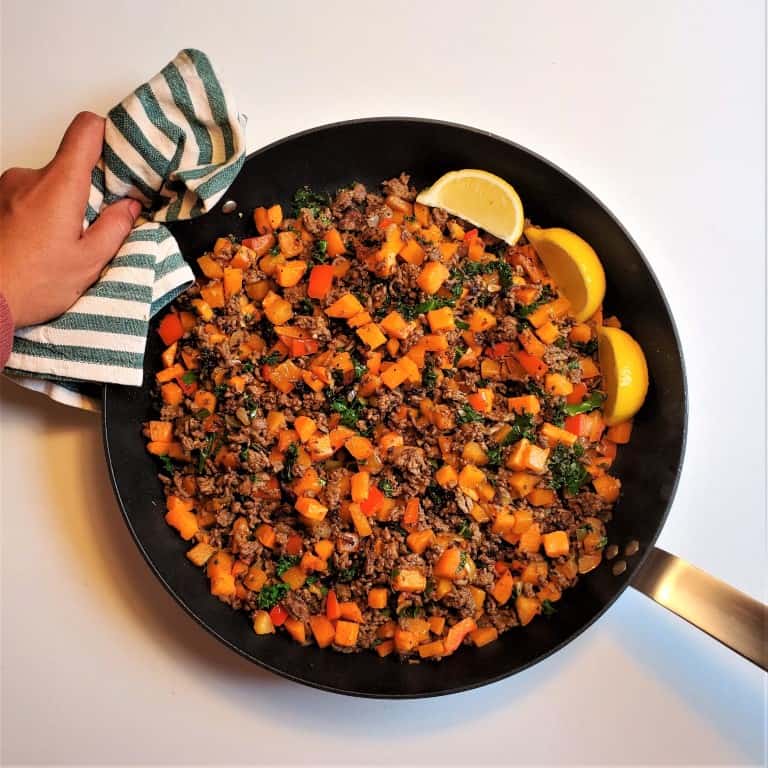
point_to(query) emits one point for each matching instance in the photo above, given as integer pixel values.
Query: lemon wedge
(485, 200)
(574, 267)
(625, 374)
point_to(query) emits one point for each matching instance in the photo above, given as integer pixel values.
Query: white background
(659, 108)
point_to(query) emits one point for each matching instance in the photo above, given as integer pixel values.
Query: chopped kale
(247, 366)
(360, 368)
(167, 464)
(189, 377)
(465, 531)
(205, 452)
(566, 469)
(524, 310)
(439, 496)
(271, 595)
(547, 608)
(586, 347)
(306, 198)
(349, 411)
(273, 358)
(286, 562)
(304, 307)
(410, 611)
(429, 376)
(320, 251)
(494, 455)
(461, 325)
(468, 414)
(385, 486)
(291, 454)
(345, 575)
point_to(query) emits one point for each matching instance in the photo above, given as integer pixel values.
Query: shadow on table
(726, 690)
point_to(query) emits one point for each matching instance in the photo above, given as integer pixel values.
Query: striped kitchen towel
(175, 144)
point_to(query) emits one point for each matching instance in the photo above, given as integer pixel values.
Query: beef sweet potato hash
(381, 428)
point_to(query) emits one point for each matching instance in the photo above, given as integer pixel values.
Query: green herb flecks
(566, 469)
(189, 377)
(385, 486)
(547, 608)
(345, 575)
(289, 462)
(429, 376)
(305, 307)
(586, 347)
(320, 251)
(273, 358)
(467, 414)
(167, 465)
(205, 452)
(286, 562)
(465, 531)
(305, 197)
(349, 411)
(271, 595)
(524, 310)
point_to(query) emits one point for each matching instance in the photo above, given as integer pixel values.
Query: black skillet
(371, 150)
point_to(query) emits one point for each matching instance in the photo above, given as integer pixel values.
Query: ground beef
(352, 220)
(440, 217)
(272, 450)
(400, 187)
(415, 469)
(296, 605)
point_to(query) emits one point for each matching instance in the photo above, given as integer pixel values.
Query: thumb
(105, 236)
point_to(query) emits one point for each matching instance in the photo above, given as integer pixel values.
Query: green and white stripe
(176, 144)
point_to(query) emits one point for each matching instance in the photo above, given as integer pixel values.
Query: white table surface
(657, 107)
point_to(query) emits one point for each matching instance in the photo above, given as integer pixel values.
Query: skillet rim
(638, 563)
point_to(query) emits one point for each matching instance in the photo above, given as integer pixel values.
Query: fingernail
(134, 207)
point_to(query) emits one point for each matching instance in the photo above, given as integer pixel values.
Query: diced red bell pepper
(500, 567)
(332, 607)
(187, 389)
(575, 424)
(266, 372)
(294, 545)
(532, 365)
(300, 347)
(278, 615)
(471, 235)
(384, 223)
(577, 395)
(373, 503)
(170, 328)
(502, 349)
(320, 281)
(589, 425)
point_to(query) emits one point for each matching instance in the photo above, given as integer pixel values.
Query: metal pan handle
(735, 619)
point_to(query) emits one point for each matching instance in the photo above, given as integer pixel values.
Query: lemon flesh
(483, 199)
(625, 374)
(573, 265)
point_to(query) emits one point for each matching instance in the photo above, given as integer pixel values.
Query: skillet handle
(735, 619)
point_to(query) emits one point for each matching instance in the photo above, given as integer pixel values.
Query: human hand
(46, 260)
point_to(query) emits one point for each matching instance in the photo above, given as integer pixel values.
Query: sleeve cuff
(6, 331)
